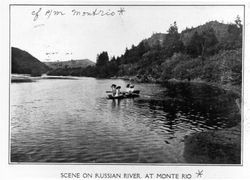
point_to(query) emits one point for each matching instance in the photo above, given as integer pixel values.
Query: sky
(59, 33)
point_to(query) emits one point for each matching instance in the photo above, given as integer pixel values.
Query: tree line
(147, 61)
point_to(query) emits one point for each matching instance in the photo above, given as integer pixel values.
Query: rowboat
(135, 92)
(122, 96)
(125, 95)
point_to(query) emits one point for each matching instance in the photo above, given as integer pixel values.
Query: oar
(108, 91)
(112, 92)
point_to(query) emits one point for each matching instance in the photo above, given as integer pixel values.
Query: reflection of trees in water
(171, 116)
(196, 102)
(169, 108)
(191, 91)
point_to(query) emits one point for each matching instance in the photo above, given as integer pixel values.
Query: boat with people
(115, 92)
(122, 96)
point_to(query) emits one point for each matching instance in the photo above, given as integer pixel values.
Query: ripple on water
(72, 121)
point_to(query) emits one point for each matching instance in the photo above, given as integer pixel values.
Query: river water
(65, 120)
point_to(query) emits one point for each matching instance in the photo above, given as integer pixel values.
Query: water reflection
(74, 122)
(115, 103)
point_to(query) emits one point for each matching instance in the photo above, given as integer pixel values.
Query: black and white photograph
(126, 84)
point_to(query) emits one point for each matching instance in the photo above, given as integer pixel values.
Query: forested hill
(220, 31)
(210, 52)
(24, 63)
(78, 63)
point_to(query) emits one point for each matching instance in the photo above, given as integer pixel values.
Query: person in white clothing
(118, 92)
(132, 88)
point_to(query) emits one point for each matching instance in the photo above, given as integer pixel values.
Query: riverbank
(226, 87)
(217, 146)
(18, 78)
(214, 147)
(21, 78)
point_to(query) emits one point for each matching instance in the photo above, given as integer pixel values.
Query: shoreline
(22, 78)
(226, 87)
(214, 147)
(225, 143)
(236, 90)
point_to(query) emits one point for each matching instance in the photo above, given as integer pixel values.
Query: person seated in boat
(113, 89)
(128, 88)
(118, 91)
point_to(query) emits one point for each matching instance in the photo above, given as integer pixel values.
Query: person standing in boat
(118, 92)
(113, 88)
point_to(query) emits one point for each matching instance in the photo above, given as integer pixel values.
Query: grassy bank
(217, 146)
(18, 78)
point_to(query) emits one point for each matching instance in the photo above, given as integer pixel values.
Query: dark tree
(194, 46)
(209, 41)
(238, 23)
(235, 34)
(202, 44)
(141, 49)
(102, 64)
(102, 59)
(172, 42)
(173, 29)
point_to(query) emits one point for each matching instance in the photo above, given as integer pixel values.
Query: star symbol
(121, 11)
(199, 173)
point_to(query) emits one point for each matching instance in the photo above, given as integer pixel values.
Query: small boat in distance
(124, 95)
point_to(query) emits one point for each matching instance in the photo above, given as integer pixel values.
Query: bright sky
(71, 36)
